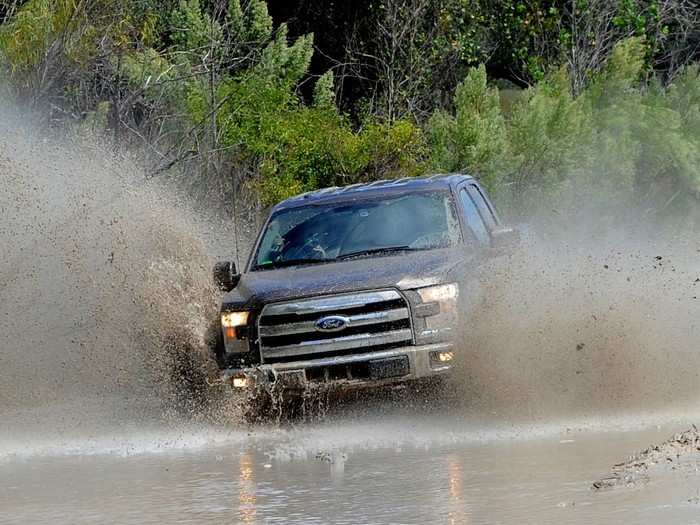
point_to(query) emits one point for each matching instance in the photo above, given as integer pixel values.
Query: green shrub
(473, 138)
(548, 137)
(623, 145)
(218, 93)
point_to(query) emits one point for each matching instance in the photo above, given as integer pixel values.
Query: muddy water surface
(395, 468)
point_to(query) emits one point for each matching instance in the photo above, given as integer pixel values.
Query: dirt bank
(673, 454)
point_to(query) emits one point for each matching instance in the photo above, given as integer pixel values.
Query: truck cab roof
(375, 189)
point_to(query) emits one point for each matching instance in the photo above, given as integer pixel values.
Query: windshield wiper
(358, 253)
(290, 262)
(373, 251)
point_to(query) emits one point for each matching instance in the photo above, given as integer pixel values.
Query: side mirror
(505, 239)
(225, 275)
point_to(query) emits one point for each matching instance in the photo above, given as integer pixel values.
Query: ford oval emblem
(332, 323)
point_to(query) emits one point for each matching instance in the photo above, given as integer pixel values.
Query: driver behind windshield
(416, 221)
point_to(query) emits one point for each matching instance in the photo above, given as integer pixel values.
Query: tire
(214, 339)
(258, 407)
(189, 372)
(264, 406)
(434, 389)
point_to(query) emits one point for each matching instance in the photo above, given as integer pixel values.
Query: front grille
(373, 320)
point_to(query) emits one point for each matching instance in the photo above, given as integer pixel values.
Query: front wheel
(433, 390)
(214, 339)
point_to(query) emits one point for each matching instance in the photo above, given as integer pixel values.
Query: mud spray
(105, 298)
(586, 328)
(105, 289)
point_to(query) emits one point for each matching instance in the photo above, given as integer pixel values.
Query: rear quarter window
(483, 206)
(473, 218)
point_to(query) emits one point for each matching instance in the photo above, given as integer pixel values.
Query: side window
(474, 220)
(483, 206)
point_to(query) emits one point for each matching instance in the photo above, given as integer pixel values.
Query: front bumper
(342, 371)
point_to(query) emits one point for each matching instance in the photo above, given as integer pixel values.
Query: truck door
(478, 239)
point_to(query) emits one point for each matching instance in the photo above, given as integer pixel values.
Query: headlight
(436, 315)
(234, 326)
(443, 294)
(234, 319)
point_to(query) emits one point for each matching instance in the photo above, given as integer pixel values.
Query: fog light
(240, 382)
(445, 357)
(441, 358)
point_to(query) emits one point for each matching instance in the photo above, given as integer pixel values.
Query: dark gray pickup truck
(357, 286)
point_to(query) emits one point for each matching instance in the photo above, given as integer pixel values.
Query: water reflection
(458, 513)
(516, 482)
(338, 467)
(247, 512)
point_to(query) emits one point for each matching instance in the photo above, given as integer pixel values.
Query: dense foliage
(592, 101)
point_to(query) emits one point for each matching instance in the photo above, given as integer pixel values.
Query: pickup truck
(357, 286)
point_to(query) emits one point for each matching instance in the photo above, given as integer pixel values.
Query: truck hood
(403, 271)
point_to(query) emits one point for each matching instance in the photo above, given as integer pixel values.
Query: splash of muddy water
(101, 270)
(586, 328)
(103, 281)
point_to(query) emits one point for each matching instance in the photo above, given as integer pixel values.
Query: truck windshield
(363, 228)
